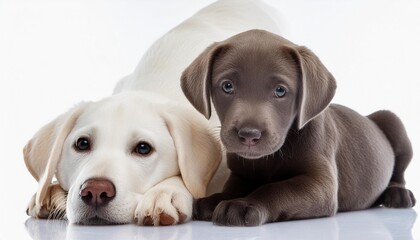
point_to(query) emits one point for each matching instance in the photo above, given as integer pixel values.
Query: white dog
(121, 158)
(140, 156)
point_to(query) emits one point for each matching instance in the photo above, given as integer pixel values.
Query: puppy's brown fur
(292, 156)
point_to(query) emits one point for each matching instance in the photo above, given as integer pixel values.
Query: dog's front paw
(239, 212)
(53, 206)
(397, 197)
(203, 208)
(164, 207)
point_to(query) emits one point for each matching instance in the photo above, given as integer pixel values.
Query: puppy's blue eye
(280, 91)
(143, 148)
(227, 87)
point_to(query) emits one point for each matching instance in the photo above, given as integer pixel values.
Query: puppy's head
(106, 154)
(261, 85)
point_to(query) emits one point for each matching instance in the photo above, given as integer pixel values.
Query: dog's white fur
(186, 153)
(160, 68)
(145, 186)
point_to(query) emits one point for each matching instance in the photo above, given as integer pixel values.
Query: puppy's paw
(239, 212)
(398, 197)
(164, 207)
(53, 206)
(203, 208)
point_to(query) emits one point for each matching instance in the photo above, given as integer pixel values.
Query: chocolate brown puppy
(291, 153)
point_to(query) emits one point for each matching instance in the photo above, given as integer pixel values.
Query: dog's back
(364, 158)
(359, 157)
(396, 195)
(160, 68)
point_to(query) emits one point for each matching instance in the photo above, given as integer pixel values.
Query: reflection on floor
(370, 224)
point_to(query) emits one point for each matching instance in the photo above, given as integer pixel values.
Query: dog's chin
(96, 220)
(249, 154)
(101, 217)
(252, 152)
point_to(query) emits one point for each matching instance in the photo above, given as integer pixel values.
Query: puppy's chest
(264, 170)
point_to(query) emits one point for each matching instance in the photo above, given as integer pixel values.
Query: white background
(54, 54)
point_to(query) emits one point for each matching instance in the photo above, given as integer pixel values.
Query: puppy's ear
(43, 151)
(199, 152)
(196, 78)
(317, 85)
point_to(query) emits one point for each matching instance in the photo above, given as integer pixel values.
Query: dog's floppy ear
(317, 85)
(199, 153)
(196, 78)
(43, 151)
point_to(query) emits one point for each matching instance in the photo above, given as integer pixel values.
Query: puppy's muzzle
(97, 192)
(249, 136)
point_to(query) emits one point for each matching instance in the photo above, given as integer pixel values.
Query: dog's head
(261, 84)
(107, 153)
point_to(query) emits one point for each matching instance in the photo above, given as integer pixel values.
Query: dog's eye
(280, 91)
(143, 148)
(82, 144)
(227, 87)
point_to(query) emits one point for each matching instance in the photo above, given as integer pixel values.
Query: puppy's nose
(97, 192)
(249, 136)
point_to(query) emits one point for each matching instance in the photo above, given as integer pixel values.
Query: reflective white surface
(370, 224)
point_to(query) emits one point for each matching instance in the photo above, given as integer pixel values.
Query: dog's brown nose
(249, 136)
(97, 192)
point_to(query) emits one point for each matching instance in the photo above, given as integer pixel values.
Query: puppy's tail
(395, 195)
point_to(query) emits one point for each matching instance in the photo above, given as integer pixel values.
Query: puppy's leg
(235, 187)
(53, 207)
(167, 203)
(296, 198)
(396, 195)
